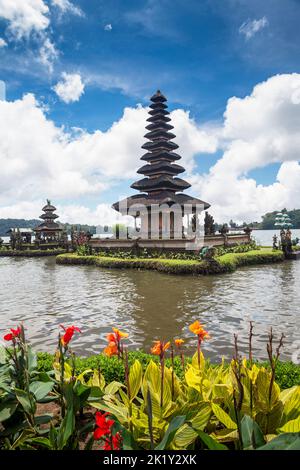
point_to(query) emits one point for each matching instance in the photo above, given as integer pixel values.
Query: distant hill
(6, 224)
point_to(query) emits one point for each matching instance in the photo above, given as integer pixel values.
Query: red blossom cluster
(104, 431)
(14, 333)
(69, 332)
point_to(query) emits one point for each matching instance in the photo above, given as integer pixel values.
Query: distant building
(48, 229)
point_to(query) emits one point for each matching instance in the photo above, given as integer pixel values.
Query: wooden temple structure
(48, 230)
(161, 207)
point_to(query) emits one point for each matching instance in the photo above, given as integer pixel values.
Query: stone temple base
(168, 245)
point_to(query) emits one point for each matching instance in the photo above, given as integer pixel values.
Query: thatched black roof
(160, 183)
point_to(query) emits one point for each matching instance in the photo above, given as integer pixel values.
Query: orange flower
(198, 330)
(111, 338)
(119, 334)
(111, 349)
(178, 342)
(160, 347)
(196, 327)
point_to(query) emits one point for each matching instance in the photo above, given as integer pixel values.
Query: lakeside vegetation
(221, 264)
(287, 373)
(167, 401)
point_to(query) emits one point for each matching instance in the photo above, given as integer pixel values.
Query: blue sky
(199, 53)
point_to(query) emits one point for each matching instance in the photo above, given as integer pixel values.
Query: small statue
(289, 245)
(275, 242)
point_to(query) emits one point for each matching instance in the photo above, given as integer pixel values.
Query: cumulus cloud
(259, 130)
(3, 43)
(70, 88)
(250, 27)
(24, 17)
(67, 7)
(39, 159)
(108, 27)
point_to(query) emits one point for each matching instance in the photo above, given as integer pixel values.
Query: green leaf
(252, 435)
(32, 360)
(287, 441)
(291, 426)
(210, 443)
(66, 429)
(41, 389)
(7, 409)
(170, 432)
(24, 400)
(223, 417)
(185, 436)
(199, 422)
(135, 379)
(113, 387)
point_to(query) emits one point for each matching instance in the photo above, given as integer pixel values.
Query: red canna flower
(15, 333)
(104, 425)
(178, 342)
(69, 332)
(114, 443)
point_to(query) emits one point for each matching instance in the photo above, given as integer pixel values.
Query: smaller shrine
(48, 230)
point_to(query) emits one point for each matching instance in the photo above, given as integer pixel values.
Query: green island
(220, 264)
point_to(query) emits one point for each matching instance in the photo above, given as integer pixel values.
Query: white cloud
(250, 27)
(39, 160)
(260, 129)
(48, 54)
(24, 17)
(108, 27)
(3, 43)
(70, 88)
(67, 7)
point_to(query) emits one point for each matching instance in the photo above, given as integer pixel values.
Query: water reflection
(149, 305)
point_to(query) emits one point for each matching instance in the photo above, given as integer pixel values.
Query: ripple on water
(149, 305)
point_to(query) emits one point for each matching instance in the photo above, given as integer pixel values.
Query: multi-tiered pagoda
(48, 229)
(161, 184)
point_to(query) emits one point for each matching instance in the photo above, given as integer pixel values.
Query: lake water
(150, 305)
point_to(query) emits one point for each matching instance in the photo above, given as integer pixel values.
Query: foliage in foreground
(287, 373)
(203, 406)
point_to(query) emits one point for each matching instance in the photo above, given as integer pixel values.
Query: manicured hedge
(231, 261)
(222, 264)
(287, 373)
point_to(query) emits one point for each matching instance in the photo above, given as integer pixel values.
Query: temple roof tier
(159, 125)
(163, 182)
(158, 112)
(164, 197)
(48, 216)
(162, 167)
(158, 106)
(159, 134)
(158, 97)
(160, 145)
(48, 207)
(160, 155)
(159, 117)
